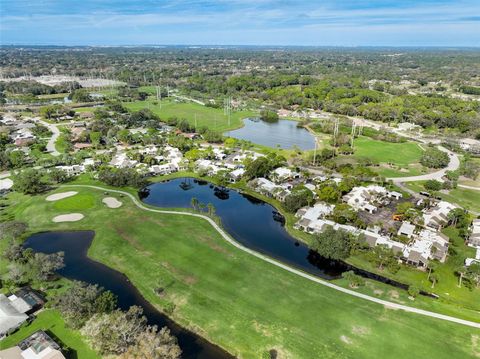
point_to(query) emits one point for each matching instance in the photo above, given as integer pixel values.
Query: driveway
(51, 142)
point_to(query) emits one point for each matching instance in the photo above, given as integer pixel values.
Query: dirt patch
(59, 196)
(378, 292)
(71, 217)
(476, 345)
(346, 340)
(393, 294)
(112, 202)
(262, 329)
(360, 330)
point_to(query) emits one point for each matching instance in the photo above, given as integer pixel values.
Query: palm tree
(461, 270)
(194, 202)
(211, 209)
(432, 266)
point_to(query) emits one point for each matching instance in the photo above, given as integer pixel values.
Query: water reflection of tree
(186, 184)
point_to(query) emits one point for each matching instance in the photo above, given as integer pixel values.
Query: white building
(474, 238)
(369, 197)
(437, 216)
(282, 174)
(236, 175)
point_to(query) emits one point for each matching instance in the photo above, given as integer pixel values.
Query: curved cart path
(453, 165)
(300, 273)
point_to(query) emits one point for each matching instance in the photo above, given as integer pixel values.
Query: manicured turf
(206, 116)
(240, 302)
(386, 152)
(51, 322)
(76, 203)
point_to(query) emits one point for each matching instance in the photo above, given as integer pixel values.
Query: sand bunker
(57, 196)
(71, 217)
(112, 202)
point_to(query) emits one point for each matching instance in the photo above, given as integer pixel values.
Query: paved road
(288, 268)
(469, 187)
(51, 142)
(453, 165)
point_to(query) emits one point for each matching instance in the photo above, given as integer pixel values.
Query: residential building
(437, 216)
(406, 229)
(474, 238)
(236, 175)
(282, 174)
(370, 197)
(39, 345)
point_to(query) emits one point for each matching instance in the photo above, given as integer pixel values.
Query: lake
(283, 133)
(252, 222)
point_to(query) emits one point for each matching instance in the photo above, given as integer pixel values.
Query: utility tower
(335, 134)
(227, 108)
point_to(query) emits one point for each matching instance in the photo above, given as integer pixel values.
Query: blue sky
(241, 22)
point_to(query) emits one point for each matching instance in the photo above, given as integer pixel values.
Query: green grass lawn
(392, 172)
(241, 302)
(78, 202)
(401, 154)
(52, 322)
(206, 116)
(467, 198)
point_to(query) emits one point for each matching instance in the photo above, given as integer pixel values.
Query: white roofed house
(73, 170)
(406, 229)
(427, 245)
(236, 175)
(437, 216)
(149, 150)
(23, 137)
(13, 312)
(207, 166)
(163, 169)
(263, 186)
(367, 198)
(121, 160)
(311, 214)
(282, 174)
(474, 238)
(39, 345)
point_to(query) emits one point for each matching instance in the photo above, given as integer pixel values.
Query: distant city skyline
(241, 22)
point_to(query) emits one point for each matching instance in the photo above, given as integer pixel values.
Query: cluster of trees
(121, 177)
(111, 331)
(34, 88)
(262, 166)
(268, 115)
(334, 244)
(434, 158)
(127, 335)
(26, 267)
(55, 111)
(300, 196)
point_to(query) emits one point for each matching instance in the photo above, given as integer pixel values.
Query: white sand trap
(71, 217)
(57, 196)
(112, 202)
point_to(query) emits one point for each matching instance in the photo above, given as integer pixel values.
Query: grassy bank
(238, 301)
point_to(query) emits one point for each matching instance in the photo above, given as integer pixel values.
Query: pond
(252, 222)
(79, 267)
(283, 133)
